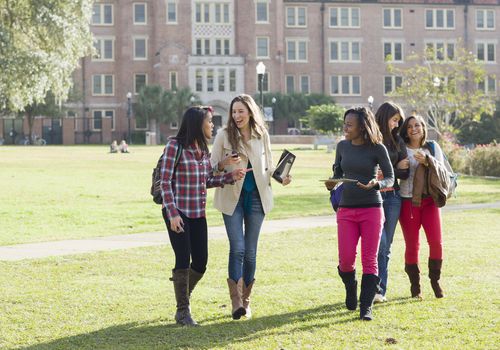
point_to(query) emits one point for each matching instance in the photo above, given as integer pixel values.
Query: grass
(55, 193)
(123, 299)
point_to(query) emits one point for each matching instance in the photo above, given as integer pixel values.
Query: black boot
(194, 278)
(413, 272)
(351, 288)
(435, 274)
(180, 278)
(369, 287)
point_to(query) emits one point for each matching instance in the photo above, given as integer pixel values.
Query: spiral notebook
(284, 166)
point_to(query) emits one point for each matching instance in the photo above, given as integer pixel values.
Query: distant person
(389, 118)
(13, 135)
(360, 214)
(123, 147)
(419, 208)
(113, 148)
(184, 198)
(244, 142)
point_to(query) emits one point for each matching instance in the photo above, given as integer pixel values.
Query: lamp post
(192, 99)
(370, 102)
(261, 70)
(129, 112)
(273, 100)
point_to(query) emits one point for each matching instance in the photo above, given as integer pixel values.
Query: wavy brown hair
(404, 129)
(385, 112)
(367, 123)
(256, 121)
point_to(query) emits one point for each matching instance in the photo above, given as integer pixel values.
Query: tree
(41, 43)
(179, 100)
(327, 118)
(484, 131)
(445, 90)
(152, 106)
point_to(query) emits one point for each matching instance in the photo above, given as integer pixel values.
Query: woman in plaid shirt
(184, 198)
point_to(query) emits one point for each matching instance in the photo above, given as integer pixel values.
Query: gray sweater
(360, 163)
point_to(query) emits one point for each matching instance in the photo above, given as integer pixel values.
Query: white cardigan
(258, 151)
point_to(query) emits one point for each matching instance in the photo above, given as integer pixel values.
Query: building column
(68, 126)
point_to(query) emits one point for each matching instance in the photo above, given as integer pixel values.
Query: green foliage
(484, 160)
(443, 90)
(41, 43)
(482, 131)
(152, 102)
(327, 118)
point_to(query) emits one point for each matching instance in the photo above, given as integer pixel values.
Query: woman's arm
(167, 173)
(402, 168)
(337, 168)
(386, 167)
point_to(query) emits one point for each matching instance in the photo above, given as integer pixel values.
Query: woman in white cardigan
(243, 142)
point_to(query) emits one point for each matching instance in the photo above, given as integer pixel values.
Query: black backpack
(156, 177)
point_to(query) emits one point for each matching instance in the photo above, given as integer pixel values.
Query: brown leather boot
(236, 292)
(413, 272)
(435, 274)
(194, 278)
(180, 278)
(246, 299)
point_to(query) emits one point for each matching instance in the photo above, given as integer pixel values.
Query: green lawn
(123, 299)
(54, 193)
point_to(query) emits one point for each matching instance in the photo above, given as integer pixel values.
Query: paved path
(68, 247)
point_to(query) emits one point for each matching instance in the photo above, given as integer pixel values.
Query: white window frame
(393, 44)
(445, 18)
(146, 39)
(392, 11)
(340, 42)
(484, 14)
(145, 13)
(100, 41)
(486, 43)
(223, 42)
(222, 20)
(136, 92)
(445, 44)
(103, 115)
(286, 84)
(174, 125)
(296, 17)
(103, 85)
(339, 24)
(202, 6)
(266, 38)
(296, 42)
(339, 84)
(308, 78)
(485, 87)
(266, 3)
(101, 15)
(172, 74)
(171, 2)
(393, 83)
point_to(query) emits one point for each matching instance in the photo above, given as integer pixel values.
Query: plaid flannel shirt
(185, 189)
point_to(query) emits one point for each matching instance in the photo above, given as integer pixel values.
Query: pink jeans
(353, 223)
(411, 219)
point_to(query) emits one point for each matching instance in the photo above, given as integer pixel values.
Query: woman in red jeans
(427, 215)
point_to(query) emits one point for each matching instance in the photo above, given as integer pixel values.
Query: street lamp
(192, 99)
(261, 70)
(370, 102)
(129, 112)
(273, 100)
(436, 82)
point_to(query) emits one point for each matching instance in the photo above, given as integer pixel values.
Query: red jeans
(355, 223)
(411, 219)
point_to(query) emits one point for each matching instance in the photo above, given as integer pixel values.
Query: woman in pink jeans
(427, 215)
(360, 214)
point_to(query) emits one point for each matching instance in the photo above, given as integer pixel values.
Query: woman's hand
(403, 164)
(330, 184)
(368, 186)
(421, 157)
(287, 180)
(231, 159)
(239, 174)
(176, 224)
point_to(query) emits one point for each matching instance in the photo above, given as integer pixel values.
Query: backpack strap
(432, 147)
(177, 156)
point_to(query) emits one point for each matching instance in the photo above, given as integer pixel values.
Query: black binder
(284, 166)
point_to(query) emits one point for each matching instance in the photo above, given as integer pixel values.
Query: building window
(262, 47)
(262, 11)
(344, 17)
(345, 51)
(102, 85)
(232, 80)
(104, 49)
(140, 13)
(222, 47)
(439, 19)
(210, 80)
(290, 84)
(222, 13)
(296, 50)
(391, 83)
(489, 86)
(296, 17)
(199, 80)
(485, 19)
(440, 50)
(203, 47)
(486, 51)
(140, 49)
(202, 12)
(393, 18)
(102, 14)
(173, 80)
(304, 84)
(97, 116)
(393, 51)
(221, 79)
(171, 12)
(345, 85)
(140, 80)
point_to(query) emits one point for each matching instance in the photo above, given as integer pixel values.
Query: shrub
(457, 156)
(484, 160)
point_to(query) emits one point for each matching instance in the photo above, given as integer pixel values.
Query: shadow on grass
(214, 331)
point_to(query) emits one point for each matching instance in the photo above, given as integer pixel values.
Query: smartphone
(234, 154)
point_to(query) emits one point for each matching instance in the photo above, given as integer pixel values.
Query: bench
(325, 140)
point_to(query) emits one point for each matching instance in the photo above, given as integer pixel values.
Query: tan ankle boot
(235, 292)
(246, 299)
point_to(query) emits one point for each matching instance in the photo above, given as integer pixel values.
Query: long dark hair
(191, 129)
(385, 112)
(369, 128)
(256, 121)
(404, 129)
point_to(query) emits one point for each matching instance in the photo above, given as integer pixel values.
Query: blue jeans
(243, 242)
(392, 208)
